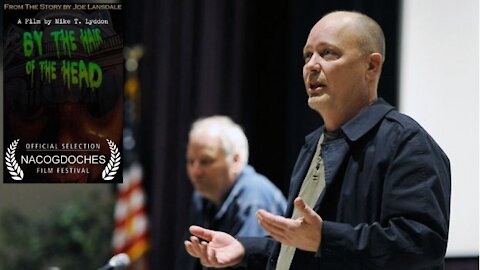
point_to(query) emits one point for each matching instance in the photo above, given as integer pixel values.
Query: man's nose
(196, 168)
(313, 64)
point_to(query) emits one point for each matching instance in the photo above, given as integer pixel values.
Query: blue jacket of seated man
(251, 191)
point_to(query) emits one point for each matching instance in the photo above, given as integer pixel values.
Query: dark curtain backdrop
(242, 58)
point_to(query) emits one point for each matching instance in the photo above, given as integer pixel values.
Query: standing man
(228, 192)
(370, 188)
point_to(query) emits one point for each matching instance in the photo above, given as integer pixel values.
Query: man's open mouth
(315, 85)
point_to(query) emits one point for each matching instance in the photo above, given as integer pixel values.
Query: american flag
(130, 234)
(131, 224)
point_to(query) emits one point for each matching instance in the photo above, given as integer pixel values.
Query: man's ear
(236, 162)
(375, 62)
(236, 158)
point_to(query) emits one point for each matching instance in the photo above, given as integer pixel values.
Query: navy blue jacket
(386, 204)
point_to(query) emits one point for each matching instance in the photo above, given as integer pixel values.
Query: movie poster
(63, 93)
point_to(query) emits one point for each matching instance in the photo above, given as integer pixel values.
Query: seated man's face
(207, 166)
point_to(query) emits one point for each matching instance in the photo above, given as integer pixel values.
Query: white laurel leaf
(12, 165)
(113, 164)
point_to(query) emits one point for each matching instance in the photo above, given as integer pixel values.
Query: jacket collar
(364, 121)
(233, 193)
(359, 125)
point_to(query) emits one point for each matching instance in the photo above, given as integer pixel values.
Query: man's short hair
(232, 138)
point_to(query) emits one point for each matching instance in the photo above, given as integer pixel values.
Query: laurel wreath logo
(113, 164)
(12, 165)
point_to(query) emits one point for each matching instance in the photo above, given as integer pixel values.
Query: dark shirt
(236, 215)
(386, 203)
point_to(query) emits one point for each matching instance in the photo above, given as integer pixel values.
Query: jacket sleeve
(412, 230)
(257, 252)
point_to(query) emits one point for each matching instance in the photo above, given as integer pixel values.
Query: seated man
(228, 192)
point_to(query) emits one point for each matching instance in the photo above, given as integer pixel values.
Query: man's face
(334, 70)
(207, 166)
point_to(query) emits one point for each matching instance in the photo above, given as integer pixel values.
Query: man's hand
(219, 250)
(304, 233)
